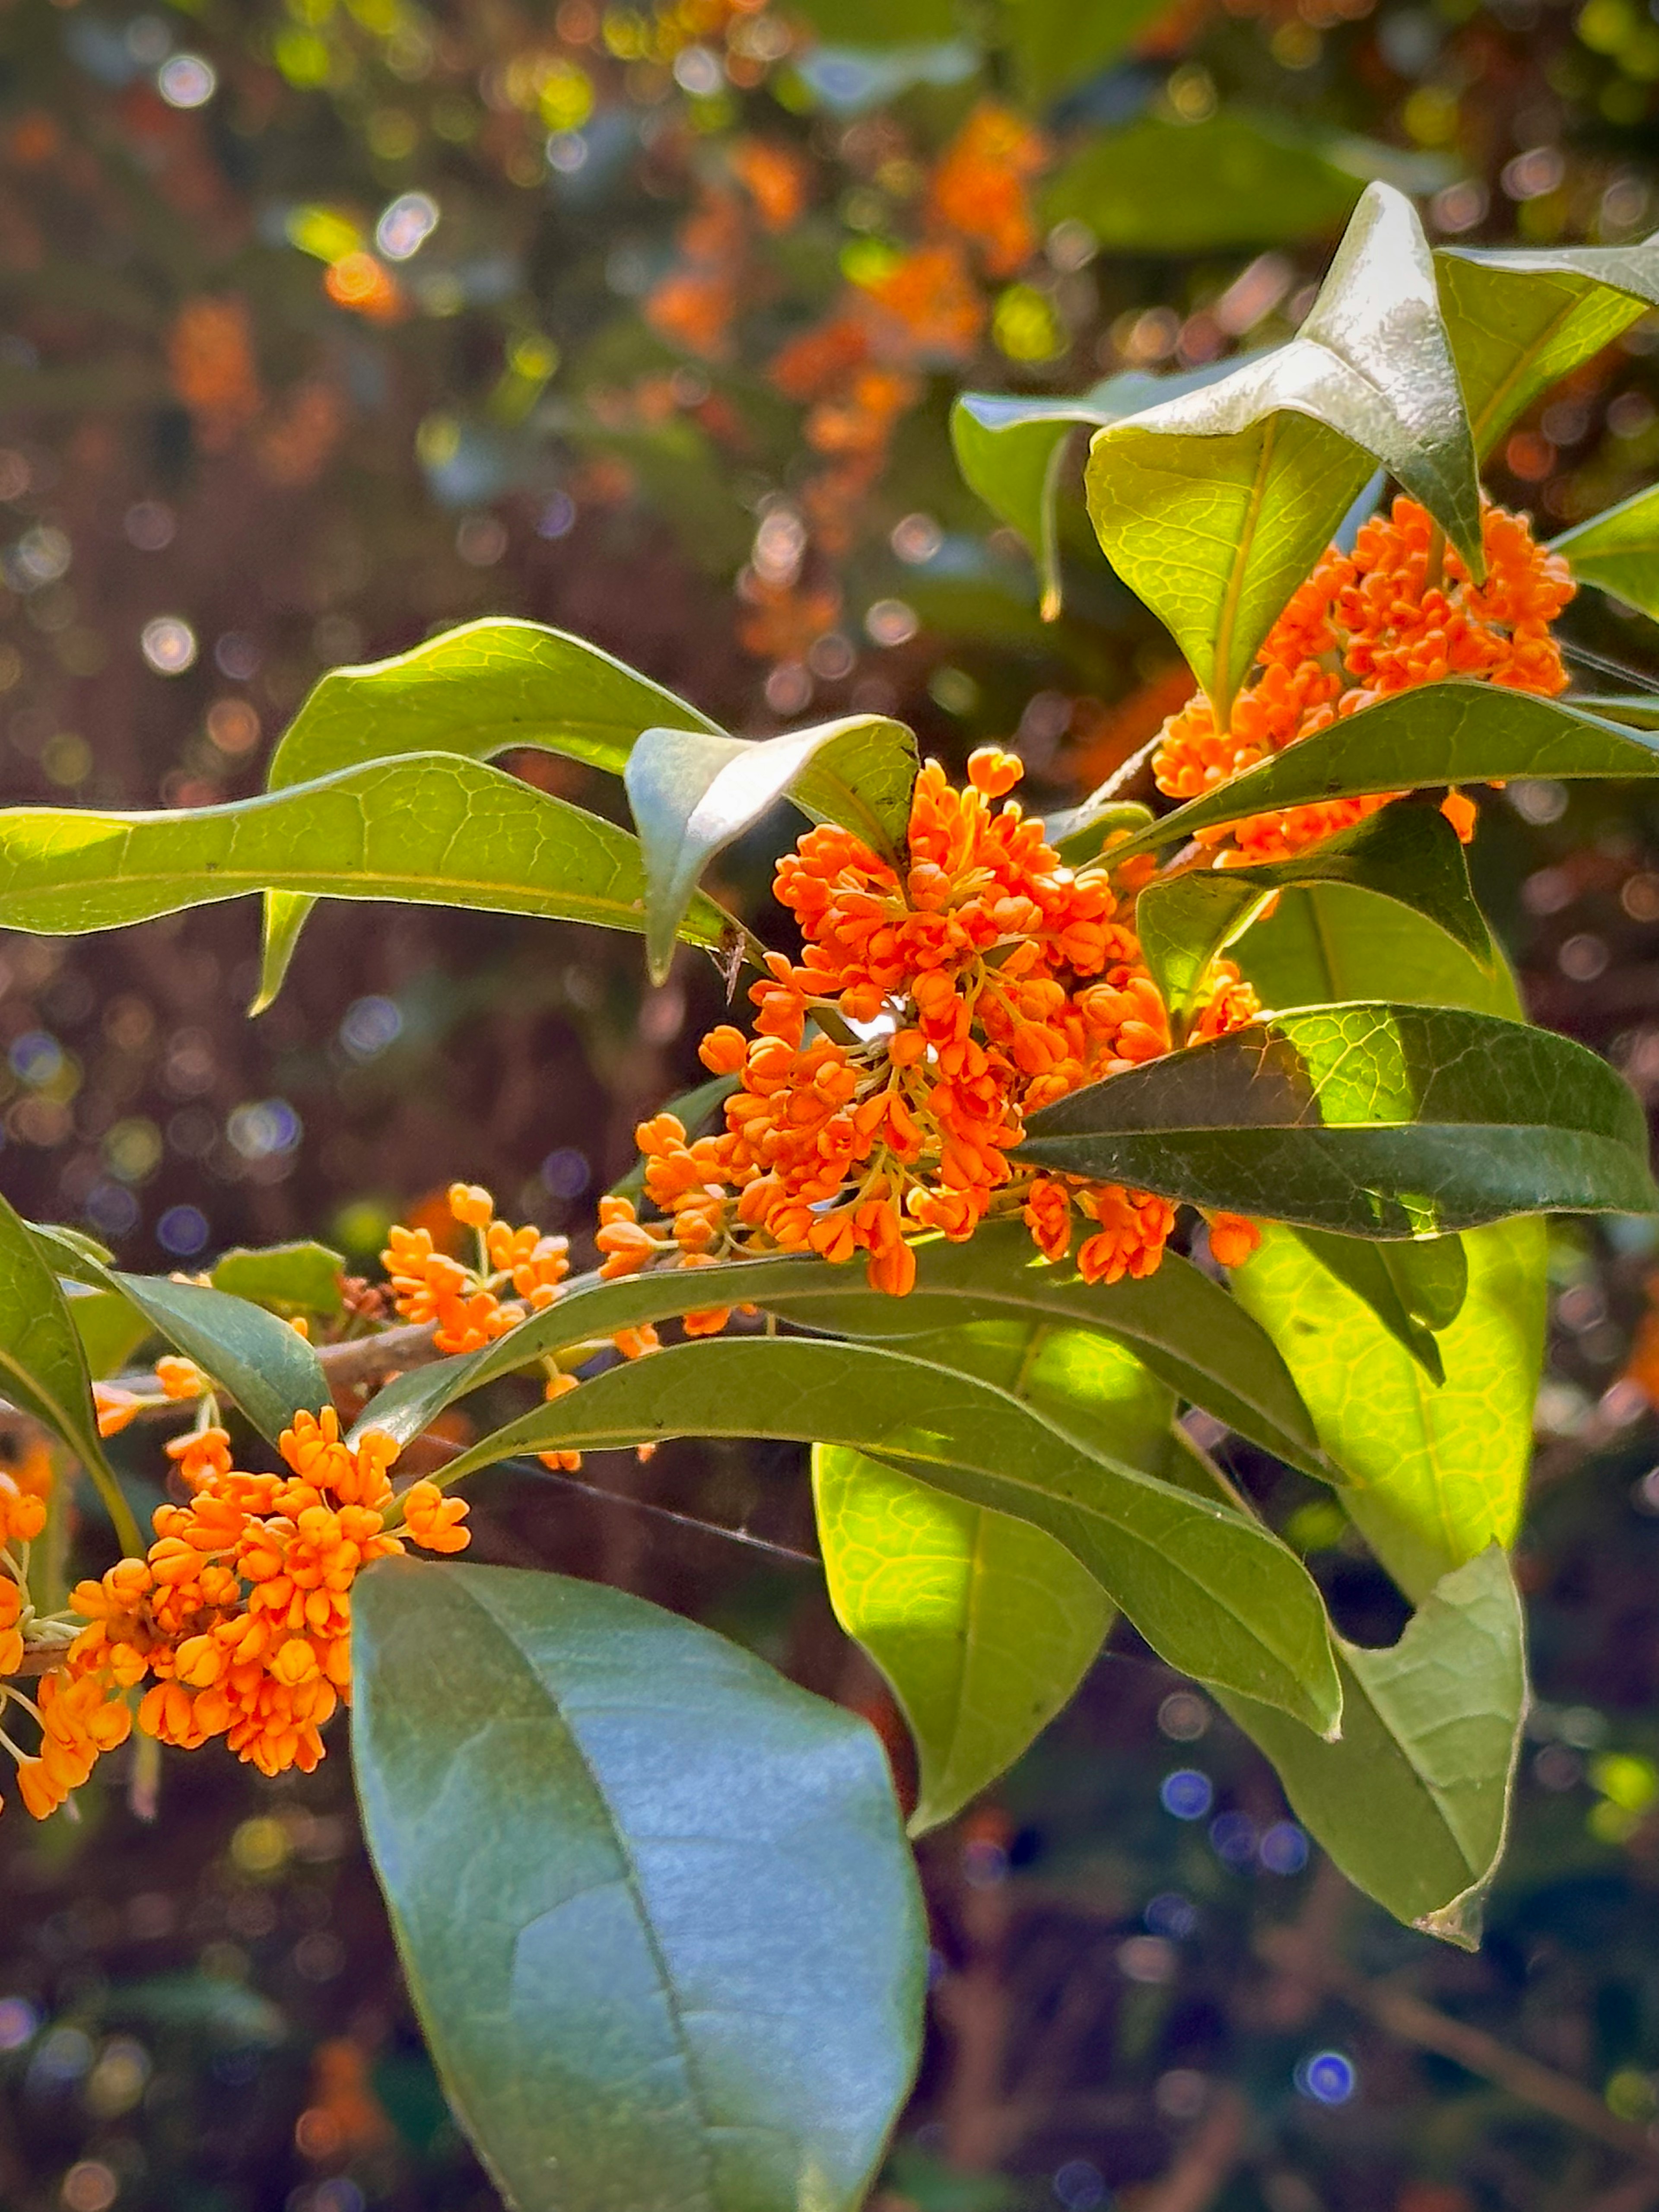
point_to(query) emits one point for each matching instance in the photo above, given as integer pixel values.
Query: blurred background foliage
(326, 323)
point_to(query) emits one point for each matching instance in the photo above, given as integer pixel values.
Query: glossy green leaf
(484, 689)
(1057, 44)
(1446, 734)
(1409, 854)
(693, 792)
(1618, 551)
(1413, 1803)
(1520, 320)
(1414, 1289)
(290, 1278)
(1237, 178)
(432, 830)
(267, 1367)
(1325, 942)
(1177, 1322)
(1213, 1592)
(43, 1367)
(653, 1902)
(1213, 507)
(983, 1626)
(1430, 1476)
(1010, 448)
(1374, 1119)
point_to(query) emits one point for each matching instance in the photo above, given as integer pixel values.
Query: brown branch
(1207, 2161)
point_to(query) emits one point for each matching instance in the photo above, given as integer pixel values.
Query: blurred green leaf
(1519, 320)
(693, 793)
(290, 1278)
(1373, 1119)
(1214, 507)
(879, 22)
(1217, 1595)
(1408, 854)
(568, 1795)
(983, 1626)
(1446, 734)
(1057, 44)
(1431, 1476)
(1618, 551)
(1413, 1803)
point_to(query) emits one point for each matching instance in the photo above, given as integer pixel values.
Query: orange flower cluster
(23, 1491)
(980, 188)
(465, 1302)
(984, 980)
(210, 364)
(1364, 626)
(238, 1617)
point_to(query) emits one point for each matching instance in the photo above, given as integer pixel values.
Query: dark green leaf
(1446, 734)
(983, 1626)
(1430, 1476)
(1081, 834)
(435, 830)
(1413, 1803)
(1409, 854)
(1520, 321)
(1177, 1322)
(267, 1367)
(290, 1278)
(1213, 1592)
(43, 1367)
(1375, 1120)
(693, 792)
(1213, 507)
(653, 1901)
(1325, 942)
(1618, 551)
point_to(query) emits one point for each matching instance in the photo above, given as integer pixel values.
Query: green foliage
(983, 1626)
(1055, 48)
(1618, 550)
(653, 1902)
(1413, 1803)
(1361, 1119)
(301, 1278)
(1214, 506)
(693, 793)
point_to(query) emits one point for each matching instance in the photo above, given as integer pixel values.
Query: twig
(1207, 2161)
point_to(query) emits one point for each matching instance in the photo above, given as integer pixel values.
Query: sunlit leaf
(1409, 854)
(983, 1626)
(1374, 1119)
(653, 1902)
(1445, 733)
(1413, 1803)
(1214, 507)
(694, 792)
(1214, 1592)
(1618, 551)
(290, 1279)
(1519, 320)
(1414, 1288)
(1431, 1474)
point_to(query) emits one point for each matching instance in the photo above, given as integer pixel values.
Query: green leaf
(487, 688)
(1520, 321)
(693, 792)
(1213, 507)
(1413, 1803)
(1237, 178)
(1213, 1592)
(290, 1278)
(433, 829)
(110, 1327)
(43, 1367)
(1386, 1279)
(1057, 44)
(267, 1367)
(1409, 854)
(1446, 734)
(880, 23)
(1177, 1322)
(484, 689)
(1324, 942)
(1618, 551)
(983, 1626)
(1010, 448)
(653, 1902)
(1430, 1476)
(1375, 1120)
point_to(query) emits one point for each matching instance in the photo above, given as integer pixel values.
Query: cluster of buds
(1398, 612)
(466, 1302)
